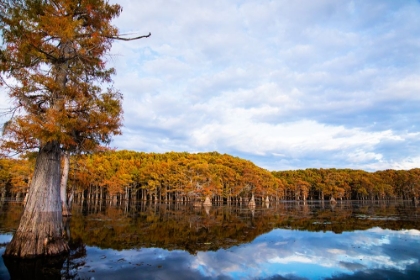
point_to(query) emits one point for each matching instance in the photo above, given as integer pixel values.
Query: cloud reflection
(279, 254)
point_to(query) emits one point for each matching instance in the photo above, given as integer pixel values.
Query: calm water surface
(290, 240)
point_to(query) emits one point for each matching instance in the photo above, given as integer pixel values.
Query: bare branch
(129, 39)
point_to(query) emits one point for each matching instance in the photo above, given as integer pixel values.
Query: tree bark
(63, 184)
(40, 231)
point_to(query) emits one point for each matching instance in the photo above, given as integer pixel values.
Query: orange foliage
(215, 175)
(57, 66)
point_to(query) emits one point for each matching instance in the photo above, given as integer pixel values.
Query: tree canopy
(54, 67)
(153, 176)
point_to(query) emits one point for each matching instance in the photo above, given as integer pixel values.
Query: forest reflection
(185, 227)
(203, 242)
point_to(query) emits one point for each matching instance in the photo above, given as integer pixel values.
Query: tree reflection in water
(289, 239)
(41, 268)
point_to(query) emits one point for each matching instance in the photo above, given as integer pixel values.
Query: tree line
(350, 184)
(173, 177)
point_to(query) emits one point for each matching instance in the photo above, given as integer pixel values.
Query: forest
(118, 176)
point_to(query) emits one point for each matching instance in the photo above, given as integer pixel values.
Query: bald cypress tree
(53, 67)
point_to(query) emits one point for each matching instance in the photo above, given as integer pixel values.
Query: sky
(286, 84)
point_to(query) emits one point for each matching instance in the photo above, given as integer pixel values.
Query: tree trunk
(25, 199)
(267, 202)
(3, 195)
(251, 202)
(114, 199)
(70, 202)
(40, 231)
(63, 184)
(207, 201)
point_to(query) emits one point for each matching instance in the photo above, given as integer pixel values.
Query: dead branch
(130, 39)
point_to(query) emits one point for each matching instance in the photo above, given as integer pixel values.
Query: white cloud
(290, 259)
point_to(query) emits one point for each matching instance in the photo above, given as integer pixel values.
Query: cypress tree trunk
(3, 194)
(251, 202)
(207, 201)
(40, 231)
(63, 184)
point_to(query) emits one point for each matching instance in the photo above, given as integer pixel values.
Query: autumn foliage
(128, 175)
(350, 184)
(53, 66)
(170, 176)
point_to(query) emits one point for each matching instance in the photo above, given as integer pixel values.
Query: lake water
(288, 240)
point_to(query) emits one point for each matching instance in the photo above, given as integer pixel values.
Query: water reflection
(285, 241)
(34, 269)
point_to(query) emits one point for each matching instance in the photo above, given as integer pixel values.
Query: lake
(287, 240)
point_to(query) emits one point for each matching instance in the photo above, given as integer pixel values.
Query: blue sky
(286, 84)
